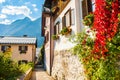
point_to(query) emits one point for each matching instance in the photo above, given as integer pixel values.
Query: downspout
(50, 43)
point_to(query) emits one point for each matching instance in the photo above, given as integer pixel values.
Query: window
(47, 23)
(5, 48)
(66, 20)
(47, 37)
(57, 28)
(86, 7)
(23, 49)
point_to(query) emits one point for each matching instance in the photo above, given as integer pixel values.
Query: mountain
(23, 27)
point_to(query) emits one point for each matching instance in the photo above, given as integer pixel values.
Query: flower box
(66, 31)
(55, 37)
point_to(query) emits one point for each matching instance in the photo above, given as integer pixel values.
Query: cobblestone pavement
(40, 74)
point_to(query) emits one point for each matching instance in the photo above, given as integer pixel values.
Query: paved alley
(40, 74)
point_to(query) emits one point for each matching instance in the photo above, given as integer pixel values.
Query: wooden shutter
(2, 48)
(63, 22)
(26, 48)
(84, 8)
(20, 48)
(70, 17)
(54, 30)
(47, 36)
(59, 28)
(89, 6)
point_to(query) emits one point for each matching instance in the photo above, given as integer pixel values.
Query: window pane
(57, 29)
(23, 48)
(93, 5)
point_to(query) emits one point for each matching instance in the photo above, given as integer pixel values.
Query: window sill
(22, 52)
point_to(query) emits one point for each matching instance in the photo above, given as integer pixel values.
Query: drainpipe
(51, 24)
(50, 42)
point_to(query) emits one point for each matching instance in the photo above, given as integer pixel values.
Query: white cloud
(2, 16)
(16, 10)
(1, 1)
(35, 9)
(6, 21)
(34, 5)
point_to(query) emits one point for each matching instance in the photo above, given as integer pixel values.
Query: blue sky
(11, 10)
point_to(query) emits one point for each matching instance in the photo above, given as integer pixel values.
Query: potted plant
(55, 37)
(88, 20)
(66, 30)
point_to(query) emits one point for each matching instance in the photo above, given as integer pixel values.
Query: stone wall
(67, 67)
(26, 76)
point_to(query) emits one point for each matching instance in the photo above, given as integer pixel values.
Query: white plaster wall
(47, 59)
(47, 47)
(63, 42)
(67, 67)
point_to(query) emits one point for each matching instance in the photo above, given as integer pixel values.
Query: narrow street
(40, 74)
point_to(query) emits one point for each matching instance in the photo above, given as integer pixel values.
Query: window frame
(5, 47)
(23, 49)
(64, 20)
(57, 27)
(87, 7)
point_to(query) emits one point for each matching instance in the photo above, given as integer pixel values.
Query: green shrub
(98, 68)
(9, 70)
(55, 37)
(66, 30)
(25, 67)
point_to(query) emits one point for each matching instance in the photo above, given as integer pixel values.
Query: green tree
(9, 69)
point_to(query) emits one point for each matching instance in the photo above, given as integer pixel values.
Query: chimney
(24, 35)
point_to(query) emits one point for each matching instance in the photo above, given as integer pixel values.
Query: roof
(17, 40)
(47, 3)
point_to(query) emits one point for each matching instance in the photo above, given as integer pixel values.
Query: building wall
(29, 55)
(47, 43)
(63, 42)
(65, 65)
(47, 58)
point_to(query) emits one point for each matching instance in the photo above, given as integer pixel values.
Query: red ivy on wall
(105, 24)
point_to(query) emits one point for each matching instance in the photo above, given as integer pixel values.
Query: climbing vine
(100, 53)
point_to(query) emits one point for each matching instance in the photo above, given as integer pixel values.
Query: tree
(9, 69)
